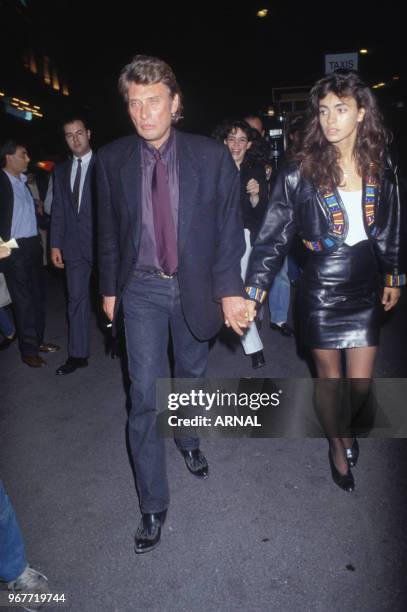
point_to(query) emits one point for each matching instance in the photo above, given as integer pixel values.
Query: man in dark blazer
(178, 275)
(23, 268)
(72, 237)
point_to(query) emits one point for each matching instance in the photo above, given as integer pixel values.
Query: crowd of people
(193, 233)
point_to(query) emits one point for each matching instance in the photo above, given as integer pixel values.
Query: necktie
(76, 184)
(164, 227)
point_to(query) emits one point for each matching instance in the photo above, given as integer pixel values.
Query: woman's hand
(253, 189)
(390, 297)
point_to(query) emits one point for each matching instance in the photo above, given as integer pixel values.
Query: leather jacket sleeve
(391, 239)
(276, 233)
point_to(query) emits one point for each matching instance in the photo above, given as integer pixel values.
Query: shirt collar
(14, 179)
(85, 159)
(165, 147)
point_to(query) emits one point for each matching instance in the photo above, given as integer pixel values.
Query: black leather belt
(159, 273)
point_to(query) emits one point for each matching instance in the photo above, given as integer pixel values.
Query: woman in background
(245, 147)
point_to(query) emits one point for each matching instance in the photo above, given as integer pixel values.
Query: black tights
(338, 400)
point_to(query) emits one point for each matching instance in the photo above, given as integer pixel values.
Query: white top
(352, 201)
(85, 163)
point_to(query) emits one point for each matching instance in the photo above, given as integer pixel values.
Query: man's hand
(236, 314)
(4, 252)
(109, 302)
(390, 297)
(56, 258)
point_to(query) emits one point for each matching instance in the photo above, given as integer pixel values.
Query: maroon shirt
(147, 258)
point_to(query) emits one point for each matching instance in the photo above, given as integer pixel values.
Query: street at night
(169, 171)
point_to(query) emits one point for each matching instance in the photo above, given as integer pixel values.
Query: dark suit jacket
(72, 232)
(210, 230)
(6, 206)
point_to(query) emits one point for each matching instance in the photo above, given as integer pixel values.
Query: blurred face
(339, 119)
(238, 143)
(17, 163)
(256, 124)
(150, 109)
(77, 138)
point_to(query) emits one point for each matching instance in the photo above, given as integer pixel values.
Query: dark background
(226, 59)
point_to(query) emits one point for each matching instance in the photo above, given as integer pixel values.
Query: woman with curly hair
(247, 150)
(341, 194)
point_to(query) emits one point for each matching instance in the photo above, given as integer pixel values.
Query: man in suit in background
(72, 237)
(23, 269)
(170, 243)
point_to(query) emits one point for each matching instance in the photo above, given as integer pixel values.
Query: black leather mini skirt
(340, 298)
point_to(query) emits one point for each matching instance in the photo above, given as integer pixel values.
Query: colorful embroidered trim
(257, 294)
(336, 213)
(394, 280)
(319, 245)
(337, 219)
(370, 200)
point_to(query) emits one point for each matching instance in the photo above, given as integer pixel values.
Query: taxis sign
(343, 61)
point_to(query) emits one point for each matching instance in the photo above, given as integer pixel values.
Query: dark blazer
(72, 232)
(210, 230)
(253, 217)
(6, 206)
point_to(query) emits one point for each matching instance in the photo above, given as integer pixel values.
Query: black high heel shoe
(344, 481)
(352, 453)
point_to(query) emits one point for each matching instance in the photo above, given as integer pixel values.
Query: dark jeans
(12, 552)
(24, 275)
(152, 307)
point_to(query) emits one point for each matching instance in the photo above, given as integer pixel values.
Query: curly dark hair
(257, 154)
(319, 159)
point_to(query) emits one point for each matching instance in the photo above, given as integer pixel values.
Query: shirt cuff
(257, 294)
(394, 280)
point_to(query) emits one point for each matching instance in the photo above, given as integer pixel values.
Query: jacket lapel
(130, 175)
(67, 181)
(188, 187)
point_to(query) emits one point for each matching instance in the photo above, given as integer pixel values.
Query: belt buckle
(162, 274)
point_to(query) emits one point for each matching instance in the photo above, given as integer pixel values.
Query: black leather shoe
(258, 360)
(196, 462)
(352, 453)
(344, 481)
(148, 533)
(72, 364)
(284, 329)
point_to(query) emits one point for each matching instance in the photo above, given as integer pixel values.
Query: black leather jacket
(296, 206)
